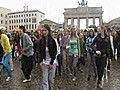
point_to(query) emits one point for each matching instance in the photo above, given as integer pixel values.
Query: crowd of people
(60, 51)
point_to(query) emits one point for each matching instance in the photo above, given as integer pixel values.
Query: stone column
(93, 20)
(65, 22)
(78, 22)
(100, 20)
(87, 22)
(72, 21)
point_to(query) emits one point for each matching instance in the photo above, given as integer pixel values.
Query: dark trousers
(81, 60)
(100, 65)
(59, 58)
(27, 65)
(108, 67)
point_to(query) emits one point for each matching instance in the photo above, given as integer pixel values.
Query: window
(10, 21)
(21, 15)
(27, 15)
(10, 27)
(5, 16)
(9, 16)
(14, 21)
(5, 22)
(1, 21)
(12, 16)
(29, 26)
(26, 26)
(35, 26)
(32, 26)
(21, 20)
(26, 20)
(33, 20)
(35, 14)
(1, 15)
(30, 15)
(29, 19)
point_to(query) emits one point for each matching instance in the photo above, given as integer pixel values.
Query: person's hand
(50, 66)
(67, 47)
(109, 61)
(41, 63)
(19, 57)
(98, 52)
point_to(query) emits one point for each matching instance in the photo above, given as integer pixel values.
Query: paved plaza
(61, 83)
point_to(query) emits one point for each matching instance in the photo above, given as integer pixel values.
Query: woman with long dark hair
(48, 52)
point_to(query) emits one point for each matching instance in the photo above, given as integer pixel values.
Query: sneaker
(70, 74)
(30, 76)
(12, 69)
(26, 80)
(74, 79)
(105, 77)
(108, 70)
(8, 79)
(100, 86)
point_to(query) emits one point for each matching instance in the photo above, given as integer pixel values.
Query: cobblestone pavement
(61, 83)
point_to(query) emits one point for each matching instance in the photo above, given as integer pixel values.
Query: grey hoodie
(27, 45)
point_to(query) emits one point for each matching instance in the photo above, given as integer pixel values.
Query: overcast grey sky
(54, 9)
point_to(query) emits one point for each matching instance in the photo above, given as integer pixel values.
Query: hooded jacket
(6, 44)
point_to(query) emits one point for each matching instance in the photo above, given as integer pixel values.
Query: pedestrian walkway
(61, 83)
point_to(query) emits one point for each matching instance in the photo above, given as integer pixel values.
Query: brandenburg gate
(83, 12)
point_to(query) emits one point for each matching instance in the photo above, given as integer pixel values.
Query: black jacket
(51, 47)
(102, 45)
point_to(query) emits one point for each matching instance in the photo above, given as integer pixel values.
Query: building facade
(115, 23)
(30, 19)
(83, 12)
(53, 25)
(4, 17)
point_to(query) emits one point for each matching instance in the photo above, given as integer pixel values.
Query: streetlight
(25, 11)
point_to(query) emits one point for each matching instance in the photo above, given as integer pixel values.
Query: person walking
(27, 54)
(7, 53)
(90, 55)
(48, 53)
(74, 51)
(101, 47)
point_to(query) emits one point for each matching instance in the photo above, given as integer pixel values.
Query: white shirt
(48, 59)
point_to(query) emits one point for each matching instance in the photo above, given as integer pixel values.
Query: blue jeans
(48, 77)
(6, 64)
(91, 64)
